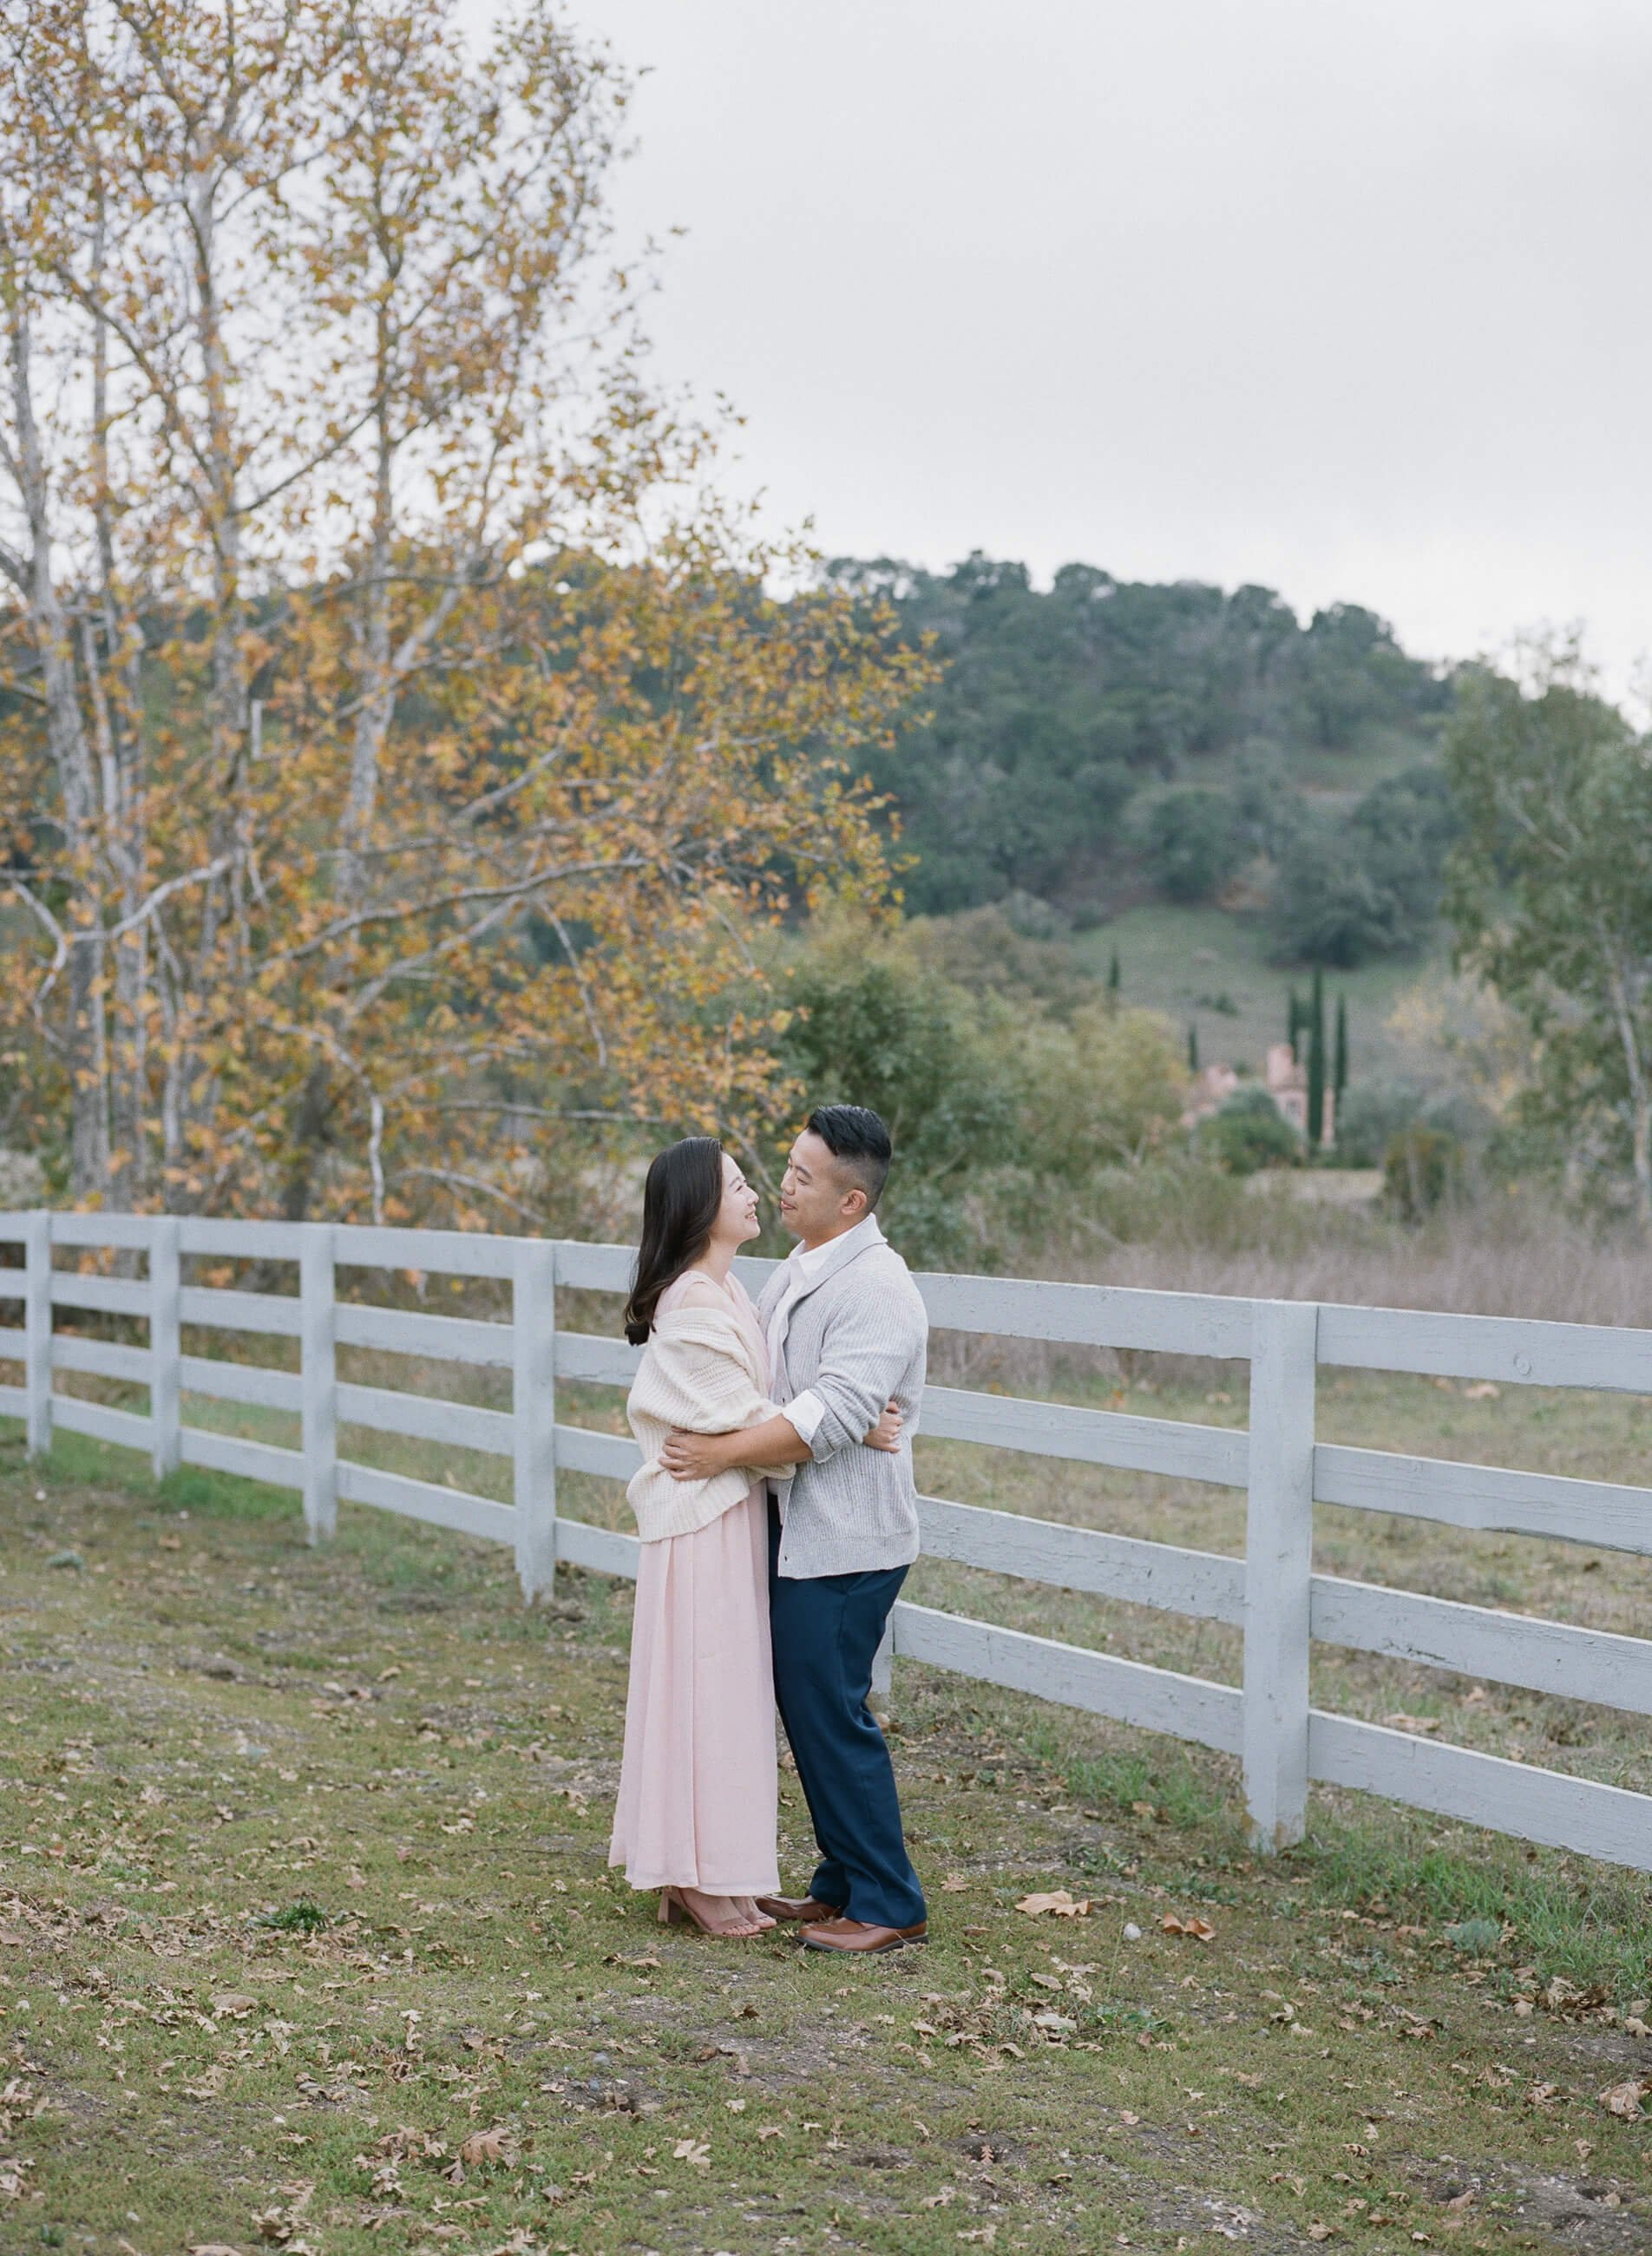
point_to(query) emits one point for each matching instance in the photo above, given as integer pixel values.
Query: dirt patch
(1604, 2215)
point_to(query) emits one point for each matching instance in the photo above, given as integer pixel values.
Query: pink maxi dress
(698, 1789)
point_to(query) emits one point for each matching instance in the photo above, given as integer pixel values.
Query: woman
(697, 1811)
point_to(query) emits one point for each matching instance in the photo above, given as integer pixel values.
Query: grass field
(1184, 960)
(308, 1941)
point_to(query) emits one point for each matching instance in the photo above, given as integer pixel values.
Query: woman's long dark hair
(680, 1202)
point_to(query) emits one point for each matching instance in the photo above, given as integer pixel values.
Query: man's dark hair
(858, 1141)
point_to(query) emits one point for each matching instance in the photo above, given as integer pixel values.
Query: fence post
(164, 1348)
(533, 1412)
(1279, 1534)
(318, 1367)
(37, 1322)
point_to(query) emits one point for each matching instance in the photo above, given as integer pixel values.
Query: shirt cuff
(805, 1412)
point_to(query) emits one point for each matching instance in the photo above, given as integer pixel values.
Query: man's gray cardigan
(857, 1338)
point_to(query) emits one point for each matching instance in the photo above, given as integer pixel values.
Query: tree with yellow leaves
(398, 750)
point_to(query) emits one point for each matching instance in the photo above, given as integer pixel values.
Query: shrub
(1421, 1168)
(1249, 1132)
(1100, 1092)
(1371, 1114)
(872, 1025)
(999, 1109)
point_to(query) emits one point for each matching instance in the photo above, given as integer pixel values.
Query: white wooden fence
(1272, 1592)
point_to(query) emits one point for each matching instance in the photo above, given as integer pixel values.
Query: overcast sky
(1350, 297)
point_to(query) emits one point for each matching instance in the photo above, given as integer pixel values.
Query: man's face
(816, 1201)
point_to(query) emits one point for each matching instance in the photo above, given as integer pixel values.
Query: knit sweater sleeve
(869, 1343)
(697, 1374)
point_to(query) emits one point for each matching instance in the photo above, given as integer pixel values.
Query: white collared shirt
(803, 1267)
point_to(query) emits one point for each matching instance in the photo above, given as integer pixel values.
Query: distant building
(1212, 1086)
(1285, 1080)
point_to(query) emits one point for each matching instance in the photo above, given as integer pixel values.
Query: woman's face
(737, 1219)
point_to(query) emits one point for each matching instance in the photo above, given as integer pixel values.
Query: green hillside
(1192, 781)
(1193, 963)
(1102, 743)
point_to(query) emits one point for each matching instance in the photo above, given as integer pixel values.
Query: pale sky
(1352, 298)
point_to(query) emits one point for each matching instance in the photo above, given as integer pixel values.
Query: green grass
(303, 1886)
(1171, 957)
(1342, 776)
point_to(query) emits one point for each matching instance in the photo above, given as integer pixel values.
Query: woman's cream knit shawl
(697, 1372)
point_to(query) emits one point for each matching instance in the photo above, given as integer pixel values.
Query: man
(847, 1335)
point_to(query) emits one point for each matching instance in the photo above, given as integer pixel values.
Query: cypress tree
(1193, 1047)
(1293, 1024)
(1339, 1070)
(1317, 1062)
(1112, 973)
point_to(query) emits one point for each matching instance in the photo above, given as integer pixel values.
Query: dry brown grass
(1505, 1254)
(1511, 1256)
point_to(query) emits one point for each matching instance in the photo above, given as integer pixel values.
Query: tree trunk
(83, 1039)
(1623, 1007)
(113, 687)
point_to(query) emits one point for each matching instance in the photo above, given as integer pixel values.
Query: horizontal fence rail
(1271, 1593)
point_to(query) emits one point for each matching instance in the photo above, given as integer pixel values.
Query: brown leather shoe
(804, 1909)
(858, 1935)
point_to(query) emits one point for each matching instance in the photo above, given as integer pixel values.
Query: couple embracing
(778, 1516)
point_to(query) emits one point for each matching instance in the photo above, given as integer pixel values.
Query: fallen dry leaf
(1200, 1929)
(693, 2151)
(485, 2147)
(1057, 1902)
(1624, 2100)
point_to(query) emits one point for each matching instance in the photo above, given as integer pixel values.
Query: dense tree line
(1103, 733)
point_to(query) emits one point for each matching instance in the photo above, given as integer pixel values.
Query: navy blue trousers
(827, 1629)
